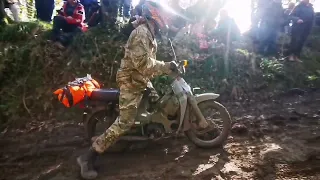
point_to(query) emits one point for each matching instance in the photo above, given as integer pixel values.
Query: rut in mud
(272, 138)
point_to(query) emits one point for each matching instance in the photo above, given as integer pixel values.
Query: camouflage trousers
(128, 104)
(129, 101)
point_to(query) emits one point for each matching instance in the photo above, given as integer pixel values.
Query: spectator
(125, 7)
(177, 21)
(256, 16)
(14, 8)
(302, 17)
(271, 21)
(87, 4)
(138, 9)
(287, 28)
(198, 30)
(44, 9)
(290, 8)
(111, 10)
(177, 24)
(94, 15)
(211, 29)
(70, 19)
(227, 29)
(317, 18)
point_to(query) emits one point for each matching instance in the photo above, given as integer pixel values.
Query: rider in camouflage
(137, 67)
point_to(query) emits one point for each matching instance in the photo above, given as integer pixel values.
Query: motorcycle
(179, 110)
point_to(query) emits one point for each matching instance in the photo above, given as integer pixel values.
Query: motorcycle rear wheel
(98, 123)
(226, 126)
(90, 125)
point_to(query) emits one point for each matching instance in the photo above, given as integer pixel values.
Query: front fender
(199, 98)
(206, 96)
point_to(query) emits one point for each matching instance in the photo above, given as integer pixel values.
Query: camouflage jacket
(139, 64)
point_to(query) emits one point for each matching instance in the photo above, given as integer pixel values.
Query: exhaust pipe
(134, 138)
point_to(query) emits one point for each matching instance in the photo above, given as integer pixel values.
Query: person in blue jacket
(44, 9)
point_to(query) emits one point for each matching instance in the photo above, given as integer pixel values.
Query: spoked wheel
(213, 136)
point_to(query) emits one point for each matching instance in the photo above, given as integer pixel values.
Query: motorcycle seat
(105, 95)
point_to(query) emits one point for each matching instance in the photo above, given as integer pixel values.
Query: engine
(163, 120)
(154, 130)
(169, 105)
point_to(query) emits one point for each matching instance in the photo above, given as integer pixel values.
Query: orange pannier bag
(76, 91)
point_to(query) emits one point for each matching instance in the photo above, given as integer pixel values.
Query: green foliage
(31, 68)
(30, 9)
(314, 79)
(162, 84)
(271, 69)
(22, 31)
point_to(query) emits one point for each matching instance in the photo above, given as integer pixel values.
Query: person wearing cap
(137, 67)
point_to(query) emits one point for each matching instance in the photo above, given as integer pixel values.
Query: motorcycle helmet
(153, 11)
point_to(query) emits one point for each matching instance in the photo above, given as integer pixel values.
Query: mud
(276, 137)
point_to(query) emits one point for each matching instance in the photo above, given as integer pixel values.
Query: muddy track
(273, 138)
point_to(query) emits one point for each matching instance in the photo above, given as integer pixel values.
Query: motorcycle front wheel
(215, 137)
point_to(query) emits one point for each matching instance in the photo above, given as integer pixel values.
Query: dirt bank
(274, 138)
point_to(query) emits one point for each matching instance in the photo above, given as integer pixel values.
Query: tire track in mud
(277, 144)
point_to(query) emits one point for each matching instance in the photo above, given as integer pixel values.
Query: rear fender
(96, 106)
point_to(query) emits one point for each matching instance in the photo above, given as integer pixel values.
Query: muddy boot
(85, 162)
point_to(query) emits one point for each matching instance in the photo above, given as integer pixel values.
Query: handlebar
(180, 68)
(181, 63)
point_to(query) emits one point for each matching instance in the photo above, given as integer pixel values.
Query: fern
(30, 9)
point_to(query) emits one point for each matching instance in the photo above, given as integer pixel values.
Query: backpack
(76, 91)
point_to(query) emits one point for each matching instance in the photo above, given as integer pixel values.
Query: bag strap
(95, 83)
(62, 96)
(66, 90)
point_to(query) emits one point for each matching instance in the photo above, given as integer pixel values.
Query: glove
(173, 66)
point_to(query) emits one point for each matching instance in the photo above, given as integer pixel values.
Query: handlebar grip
(183, 63)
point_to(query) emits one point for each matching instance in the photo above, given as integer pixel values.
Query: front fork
(189, 104)
(194, 104)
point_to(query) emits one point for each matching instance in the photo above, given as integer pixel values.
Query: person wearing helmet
(137, 67)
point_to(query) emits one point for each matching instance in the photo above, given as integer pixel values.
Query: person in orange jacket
(70, 19)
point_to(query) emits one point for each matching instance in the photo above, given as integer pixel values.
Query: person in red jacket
(70, 19)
